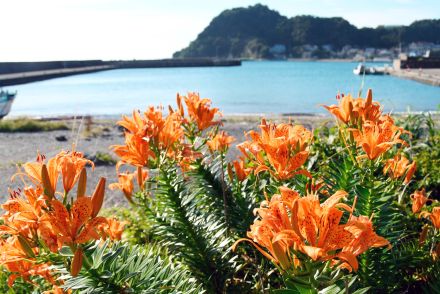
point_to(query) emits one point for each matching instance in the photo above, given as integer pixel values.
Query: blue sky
(142, 29)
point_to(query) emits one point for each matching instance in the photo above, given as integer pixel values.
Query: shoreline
(234, 116)
(428, 76)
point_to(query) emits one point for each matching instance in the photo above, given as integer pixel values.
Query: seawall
(15, 73)
(429, 76)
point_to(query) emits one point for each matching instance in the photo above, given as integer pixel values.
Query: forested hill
(259, 32)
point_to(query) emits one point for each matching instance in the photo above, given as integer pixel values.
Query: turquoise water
(255, 87)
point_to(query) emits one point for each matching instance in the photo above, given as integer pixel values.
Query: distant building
(278, 51)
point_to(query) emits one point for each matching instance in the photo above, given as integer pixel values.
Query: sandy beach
(18, 148)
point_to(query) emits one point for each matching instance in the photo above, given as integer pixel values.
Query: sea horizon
(256, 87)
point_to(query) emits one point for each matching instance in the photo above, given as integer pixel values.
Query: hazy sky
(143, 29)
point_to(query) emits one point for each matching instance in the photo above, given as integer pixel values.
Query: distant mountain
(259, 32)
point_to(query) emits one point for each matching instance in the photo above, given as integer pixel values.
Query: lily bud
(179, 105)
(281, 256)
(369, 99)
(140, 179)
(25, 246)
(82, 183)
(230, 172)
(170, 109)
(98, 197)
(423, 235)
(76, 262)
(411, 170)
(47, 186)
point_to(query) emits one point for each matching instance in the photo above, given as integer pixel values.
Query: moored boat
(6, 99)
(374, 70)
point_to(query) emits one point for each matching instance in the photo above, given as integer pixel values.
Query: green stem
(225, 204)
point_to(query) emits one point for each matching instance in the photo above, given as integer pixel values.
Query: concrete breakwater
(429, 76)
(15, 73)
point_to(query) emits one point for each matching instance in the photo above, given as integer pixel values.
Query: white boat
(364, 70)
(6, 99)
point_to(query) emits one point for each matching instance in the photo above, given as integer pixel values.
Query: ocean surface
(254, 87)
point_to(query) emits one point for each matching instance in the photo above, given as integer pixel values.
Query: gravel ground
(18, 148)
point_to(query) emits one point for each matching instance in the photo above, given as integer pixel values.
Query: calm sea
(254, 87)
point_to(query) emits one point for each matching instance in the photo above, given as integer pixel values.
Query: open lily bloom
(280, 149)
(399, 166)
(200, 111)
(220, 142)
(354, 111)
(376, 138)
(289, 223)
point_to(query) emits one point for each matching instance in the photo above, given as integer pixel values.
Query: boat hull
(6, 100)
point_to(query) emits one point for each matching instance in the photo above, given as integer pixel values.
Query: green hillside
(259, 32)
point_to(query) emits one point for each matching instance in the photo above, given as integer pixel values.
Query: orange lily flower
(366, 109)
(33, 170)
(240, 170)
(200, 111)
(434, 216)
(364, 236)
(136, 151)
(71, 165)
(19, 263)
(398, 166)
(171, 132)
(113, 229)
(137, 125)
(344, 110)
(289, 221)
(146, 126)
(377, 138)
(279, 149)
(419, 200)
(146, 135)
(187, 156)
(220, 142)
(35, 220)
(125, 184)
(355, 111)
(75, 226)
(155, 121)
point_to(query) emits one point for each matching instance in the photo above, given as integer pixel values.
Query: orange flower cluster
(199, 110)
(280, 149)
(434, 216)
(150, 135)
(125, 182)
(398, 167)
(147, 135)
(377, 137)
(374, 132)
(220, 142)
(36, 222)
(419, 200)
(241, 171)
(355, 111)
(290, 223)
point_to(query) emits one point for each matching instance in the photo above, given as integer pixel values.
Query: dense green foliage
(120, 268)
(251, 32)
